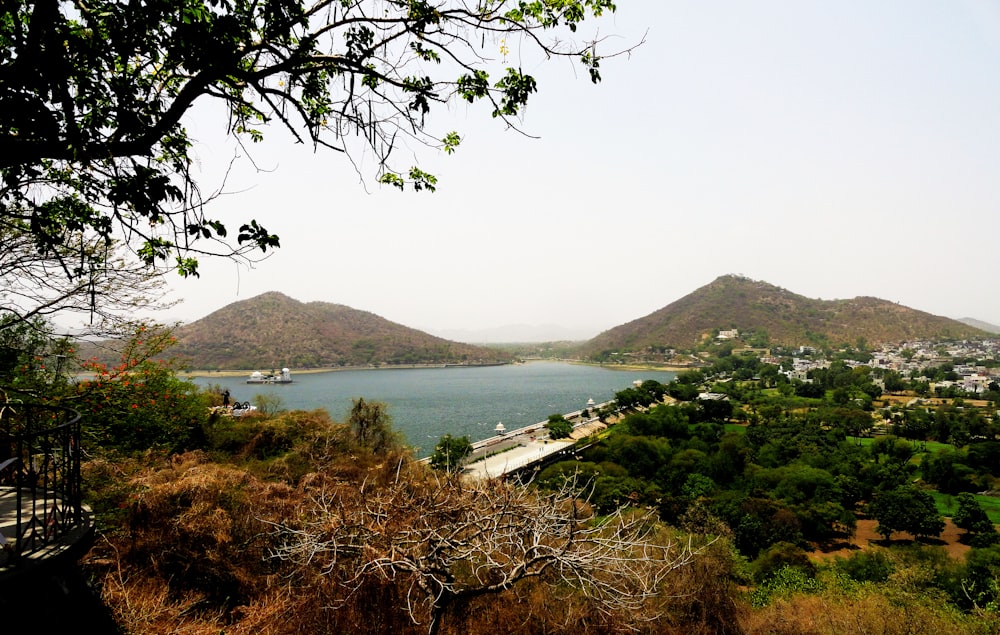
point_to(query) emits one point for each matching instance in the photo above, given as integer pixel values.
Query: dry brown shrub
(871, 613)
(533, 609)
(418, 533)
(195, 542)
(703, 598)
(196, 560)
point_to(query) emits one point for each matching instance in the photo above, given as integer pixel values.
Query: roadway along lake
(426, 403)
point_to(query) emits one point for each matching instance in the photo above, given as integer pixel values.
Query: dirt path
(865, 537)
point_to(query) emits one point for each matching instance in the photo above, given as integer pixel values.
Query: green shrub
(141, 406)
(866, 566)
(781, 556)
(559, 427)
(783, 582)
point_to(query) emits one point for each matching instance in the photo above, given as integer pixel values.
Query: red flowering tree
(140, 403)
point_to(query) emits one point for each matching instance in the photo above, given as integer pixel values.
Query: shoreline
(632, 367)
(229, 373)
(314, 371)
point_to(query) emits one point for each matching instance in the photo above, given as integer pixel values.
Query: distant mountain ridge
(979, 324)
(777, 316)
(273, 330)
(516, 333)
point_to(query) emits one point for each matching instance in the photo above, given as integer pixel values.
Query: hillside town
(971, 365)
(967, 366)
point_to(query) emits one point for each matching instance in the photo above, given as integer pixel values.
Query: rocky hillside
(979, 324)
(274, 331)
(766, 314)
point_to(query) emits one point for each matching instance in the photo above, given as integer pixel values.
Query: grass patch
(933, 446)
(947, 504)
(918, 446)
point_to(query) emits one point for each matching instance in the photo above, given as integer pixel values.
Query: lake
(427, 403)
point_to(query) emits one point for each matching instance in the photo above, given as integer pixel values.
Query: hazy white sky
(835, 149)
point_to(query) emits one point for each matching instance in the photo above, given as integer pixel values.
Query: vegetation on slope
(274, 331)
(768, 315)
(297, 523)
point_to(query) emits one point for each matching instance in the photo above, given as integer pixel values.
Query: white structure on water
(257, 377)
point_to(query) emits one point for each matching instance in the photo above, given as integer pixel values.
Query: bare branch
(450, 541)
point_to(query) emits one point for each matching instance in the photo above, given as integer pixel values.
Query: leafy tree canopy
(971, 517)
(908, 509)
(558, 427)
(450, 453)
(93, 147)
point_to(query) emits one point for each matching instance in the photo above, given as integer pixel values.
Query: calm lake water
(426, 403)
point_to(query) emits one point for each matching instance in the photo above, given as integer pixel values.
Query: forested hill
(777, 317)
(273, 331)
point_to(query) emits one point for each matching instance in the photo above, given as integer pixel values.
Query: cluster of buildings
(975, 364)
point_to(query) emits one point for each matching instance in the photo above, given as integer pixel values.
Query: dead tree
(449, 542)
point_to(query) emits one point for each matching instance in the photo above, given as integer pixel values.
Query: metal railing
(40, 470)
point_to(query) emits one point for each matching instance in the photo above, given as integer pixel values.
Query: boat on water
(284, 377)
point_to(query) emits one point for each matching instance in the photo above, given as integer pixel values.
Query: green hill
(273, 331)
(769, 315)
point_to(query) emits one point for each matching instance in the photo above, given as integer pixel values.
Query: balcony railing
(40, 485)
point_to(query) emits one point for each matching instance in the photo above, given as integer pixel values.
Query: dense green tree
(984, 456)
(971, 517)
(853, 421)
(450, 453)
(661, 421)
(908, 509)
(654, 388)
(726, 465)
(682, 391)
(697, 486)
(681, 465)
(779, 556)
(709, 433)
(892, 448)
(613, 492)
(580, 473)
(558, 427)
(642, 396)
(770, 375)
(715, 409)
(690, 377)
(812, 390)
(799, 483)
(917, 424)
(642, 456)
(893, 382)
(757, 523)
(841, 395)
(948, 471)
